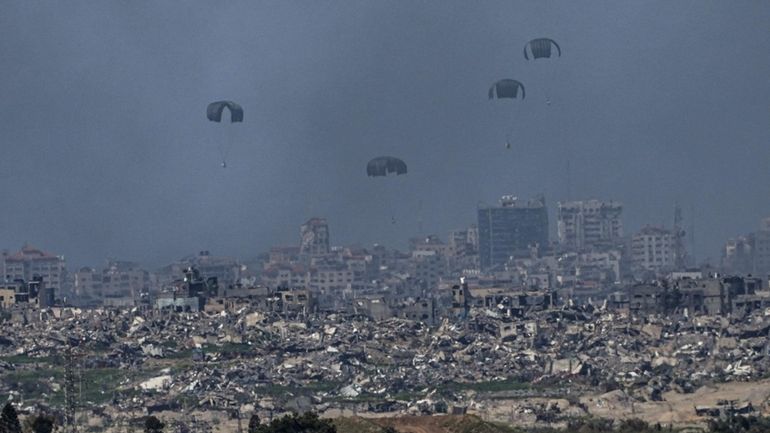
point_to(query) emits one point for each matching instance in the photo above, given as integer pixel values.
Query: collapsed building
(268, 352)
(716, 295)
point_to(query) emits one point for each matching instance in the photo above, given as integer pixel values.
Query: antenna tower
(680, 251)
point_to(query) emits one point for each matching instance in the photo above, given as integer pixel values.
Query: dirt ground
(415, 424)
(680, 408)
(677, 409)
(440, 424)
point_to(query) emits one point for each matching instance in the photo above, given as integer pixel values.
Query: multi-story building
(463, 242)
(738, 255)
(282, 255)
(427, 266)
(473, 237)
(88, 283)
(749, 254)
(28, 293)
(652, 249)
(711, 296)
(362, 265)
(7, 297)
(30, 262)
(125, 277)
(297, 300)
(118, 279)
(589, 224)
(429, 243)
(463, 251)
(330, 279)
(225, 269)
(314, 237)
(511, 229)
(760, 263)
(285, 276)
(600, 267)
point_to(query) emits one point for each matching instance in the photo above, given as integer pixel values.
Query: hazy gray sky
(106, 150)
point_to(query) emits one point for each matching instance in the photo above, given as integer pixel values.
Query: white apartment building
(652, 248)
(30, 262)
(589, 224)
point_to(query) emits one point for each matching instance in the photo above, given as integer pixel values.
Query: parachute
(215, 109)
(541, 48)
(506, 88)
(214, 113)
(383, 165)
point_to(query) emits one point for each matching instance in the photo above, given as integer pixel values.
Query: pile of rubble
(228, 360)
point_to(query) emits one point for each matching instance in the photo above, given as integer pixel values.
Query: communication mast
(72, 375)
(693, 249)
(680, 251)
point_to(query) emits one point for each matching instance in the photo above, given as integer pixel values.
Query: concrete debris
(273, 361)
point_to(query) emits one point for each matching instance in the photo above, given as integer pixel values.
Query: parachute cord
(224, 148)
(551, 77)
(514, 117)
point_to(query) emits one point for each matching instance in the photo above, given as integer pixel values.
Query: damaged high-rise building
(314, 236)
(589, 224)
(511, 229)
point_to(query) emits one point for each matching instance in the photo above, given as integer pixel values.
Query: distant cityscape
(509, 246)
(496, 320)
(322, 217)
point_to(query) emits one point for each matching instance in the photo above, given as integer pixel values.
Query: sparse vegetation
(254, 423)
(741, 424)
(510, 384)
(39, 424)
(26, 359)
(153, 425)
(306, 423)
(9, 420)
(474, 424)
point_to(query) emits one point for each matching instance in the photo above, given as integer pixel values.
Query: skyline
(108, 151)
(690, 244)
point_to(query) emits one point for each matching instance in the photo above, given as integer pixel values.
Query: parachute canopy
(383, 165)
(541, 47)
(215, 109)
(506, 88)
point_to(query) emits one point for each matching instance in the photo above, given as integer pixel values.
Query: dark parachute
(225, 140)
(215, 109)
(541, 47)
(506, 88)
(383, 165)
